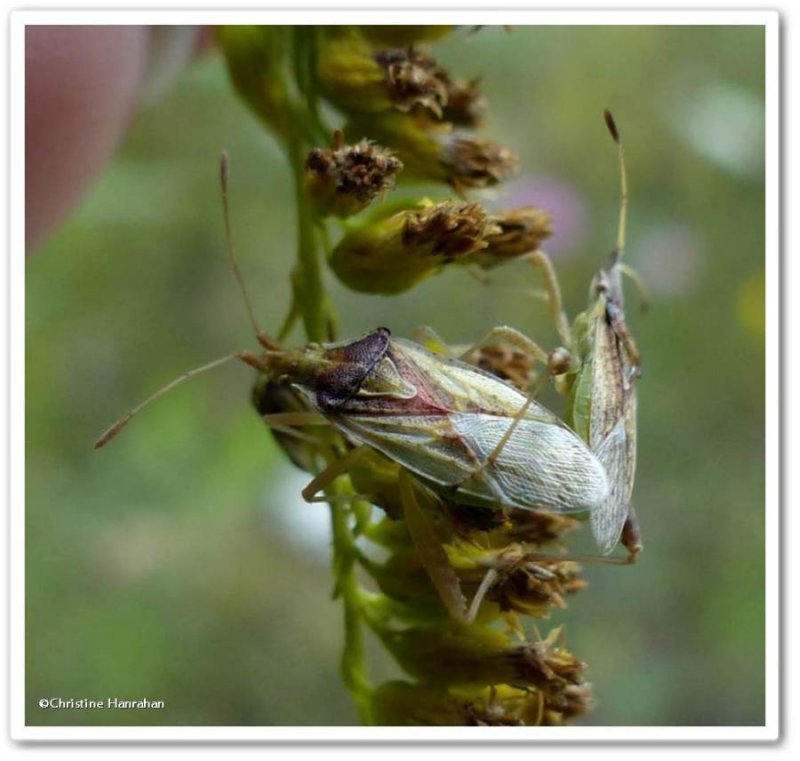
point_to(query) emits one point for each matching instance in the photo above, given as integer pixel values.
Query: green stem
(311, 303)
(309, 293)
(353, 665)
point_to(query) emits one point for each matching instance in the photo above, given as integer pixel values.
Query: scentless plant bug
(453, 429)
(444, 420)
(458, 428)
(449, 423)
(602, 394)
(597, 369)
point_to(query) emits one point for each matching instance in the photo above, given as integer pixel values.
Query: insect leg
(330, 474)
(514, 337)
(641, 288)
(289, 321)
(486, 584)
(541, 261)
(496, 452)
(629, 559)
(340, 499)
(429, 547)
(479, 274)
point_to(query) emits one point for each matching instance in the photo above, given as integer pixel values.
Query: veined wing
(617, 453)
(469, 388)
(608, 385)
(541, 466)
(424, 444)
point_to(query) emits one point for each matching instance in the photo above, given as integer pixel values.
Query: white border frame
(19, 731)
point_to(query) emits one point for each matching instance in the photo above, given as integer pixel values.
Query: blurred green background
(181, 564)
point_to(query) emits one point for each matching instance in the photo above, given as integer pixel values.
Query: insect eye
(559, 361)
(601, 284)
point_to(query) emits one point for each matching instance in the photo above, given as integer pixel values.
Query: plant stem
(311, 303)
(354, 672)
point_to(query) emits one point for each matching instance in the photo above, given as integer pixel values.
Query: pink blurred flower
(558, 198)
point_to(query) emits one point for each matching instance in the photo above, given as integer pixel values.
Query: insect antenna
(247, 357)
(117, 427)
(623, 203)
(224, 174)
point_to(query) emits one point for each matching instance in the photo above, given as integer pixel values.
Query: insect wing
(540, 466)
(612, 433)
(608, 520)
(608, 385)
(450, 422)
(425, 444)
(470, 389)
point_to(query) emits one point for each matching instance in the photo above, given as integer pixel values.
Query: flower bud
(345, 179)
(255, 59)
(478, 655)
(399, 703)
(393, 254)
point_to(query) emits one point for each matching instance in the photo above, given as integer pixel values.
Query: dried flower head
(532, 527)
(533, 587)
(451, 230)
(453, 655)
(413, 79)
(465, 107)
(519, 231)
(430, 150)
(345, 179)
(543, 665)
(358, 79)
(507, 362)
(392, 254)
(476, 163)
(567, 702)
